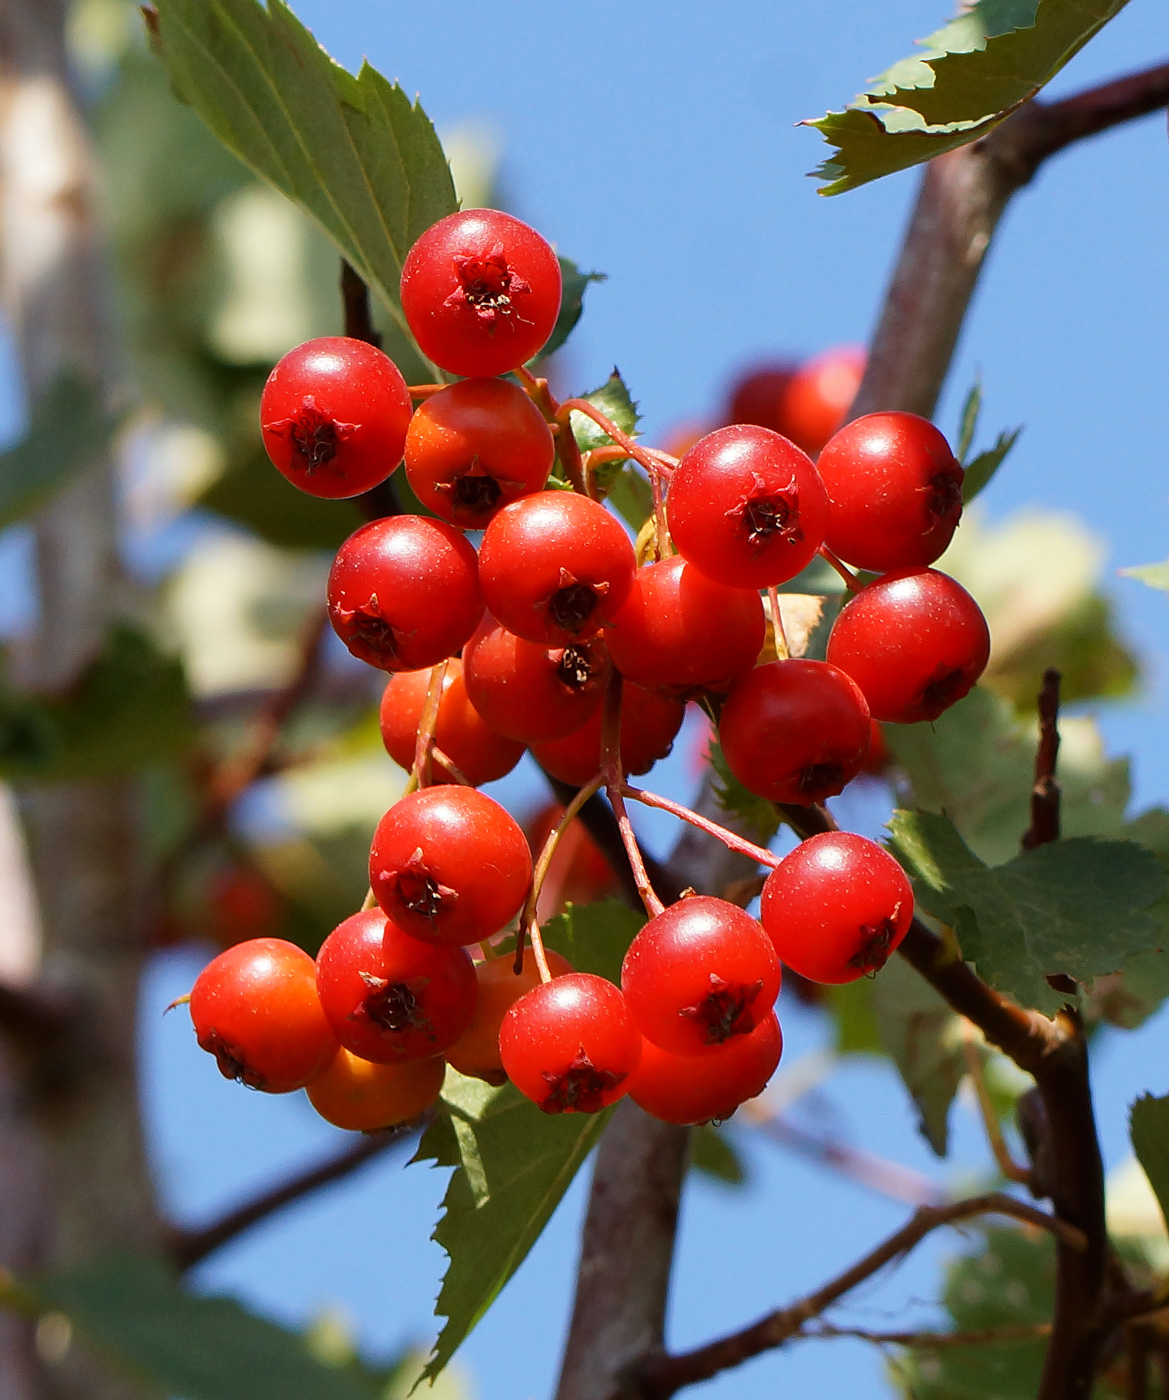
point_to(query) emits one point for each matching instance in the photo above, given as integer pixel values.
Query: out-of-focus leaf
(253, 493)
(981, 468)
(713, 1154)
(851, 1006)
(69, 428)
(134, 1312)
(353, 151)
(969, 76)
(632, 496)
(1079, 907)
(574, 282)
(594, 937)
(1155, 575)
(968, 420)
(1083, 646)
(1149, 1129)
(757, 814)
(512, 1165)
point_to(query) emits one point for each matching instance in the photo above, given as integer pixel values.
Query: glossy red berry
(474, 446)
(699, 1088)
(570, 1045)
(476, 1052)
(756, 395)
(390, 997)
(449, 865)
(747, 507)
(555, 567)
(914, 641)
(334, 415)
(404, 592)
(479, 753)
(894, 491)
(649, 724)
(837, 907)
(681, 631)
(699, 974)
(795, 731)
(530, 691)
(816, 401)
(481, 292)
(255, 1008)
(363, 1097)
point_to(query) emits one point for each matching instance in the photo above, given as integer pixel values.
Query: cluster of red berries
(530, 631)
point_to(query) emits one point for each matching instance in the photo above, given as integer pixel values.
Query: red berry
(255, 1008)
(914, 641)
(473, 447)
(334, 415)
(757, 394)
(390, 997)
(836, 907)
(819, 396)
(404, 592)
(747, 507)
(795, 731)
(579, 872)
(555, 567)
(477, 751)
(449, 865)
(698, 1088)
(481, 292)
(681, 631)
(530, 691)
(699, 974)
(894, 491)
(476, 1052)
(364, 1097)
(569, 1045)
(649, 723)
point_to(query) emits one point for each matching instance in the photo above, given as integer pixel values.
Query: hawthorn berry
(756, 395)
(649, 725)
(255, 1008)
(479, 753)
(795, 731)
(449, 865)
(836, 907)
(691, 1089)
(530, 691)
(699, 974)
(476, 1052)
(747, 507)
(474, 446)
(914, 641)
(555, 567)
(403, 592)
(894, 492)
(363, 1097)
(570, 1045)
(333, 416)
(682, 632)
(814, 403)
(481, 292)
(390, 997)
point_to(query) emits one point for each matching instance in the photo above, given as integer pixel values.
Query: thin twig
(529, 923)
(936, 1341)
(1045, 790)
(990, 1119)
(614, 790)
(730, 839)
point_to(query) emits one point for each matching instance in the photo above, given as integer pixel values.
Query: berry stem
(782, 650)
(728, 838)
(369, 901)
(649, 460)
(661, 528)
(614, 789)
(851, 582)
(424, 391)
(420, 775)
(439, 756)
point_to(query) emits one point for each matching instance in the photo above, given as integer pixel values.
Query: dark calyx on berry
(580, 1088)
(229, 1062)
(946, 687)
(770, 513)
(314, 436)
(819, 780)
(571, 606)
(487, 285)
(574, 667)
(368, 635)
(724, 1011)
(945, 490)
(419, 891)
(475, 494)
(874, 951)
(394, 1005)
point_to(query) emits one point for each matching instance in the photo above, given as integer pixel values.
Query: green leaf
(1148, 1122)
(252, 493)
(134, 1312)
(713, 1154)
(68, 429)
(1079, 907)
(1155, 575)
(513, 1164)
(968, 77)
(980, 469)
(632, 496)
(573, 284)
(353, 151)
(760, 817)
(616, 403)
(594, 937)
(968, 421)
(924, 1039)
(851, 1006)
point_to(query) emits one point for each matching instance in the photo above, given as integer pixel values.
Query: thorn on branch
(1045, 790)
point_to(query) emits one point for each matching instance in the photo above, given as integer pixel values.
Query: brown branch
(1045, 790)
(186, 1248)
(935, 1341)
(657, 1380)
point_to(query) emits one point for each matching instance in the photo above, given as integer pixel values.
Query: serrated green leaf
(1080, 907)
(968, 77)
(713, 1154)
(980, 469)
(1148, 1122)
(968, 420)
(573, 285)
(760, 817)
(512, 1165)
(134, 1312)
(594, 937)
(354, 152)
(923, 1037)
(616, 403)
(68, 429)
(1155, 575)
